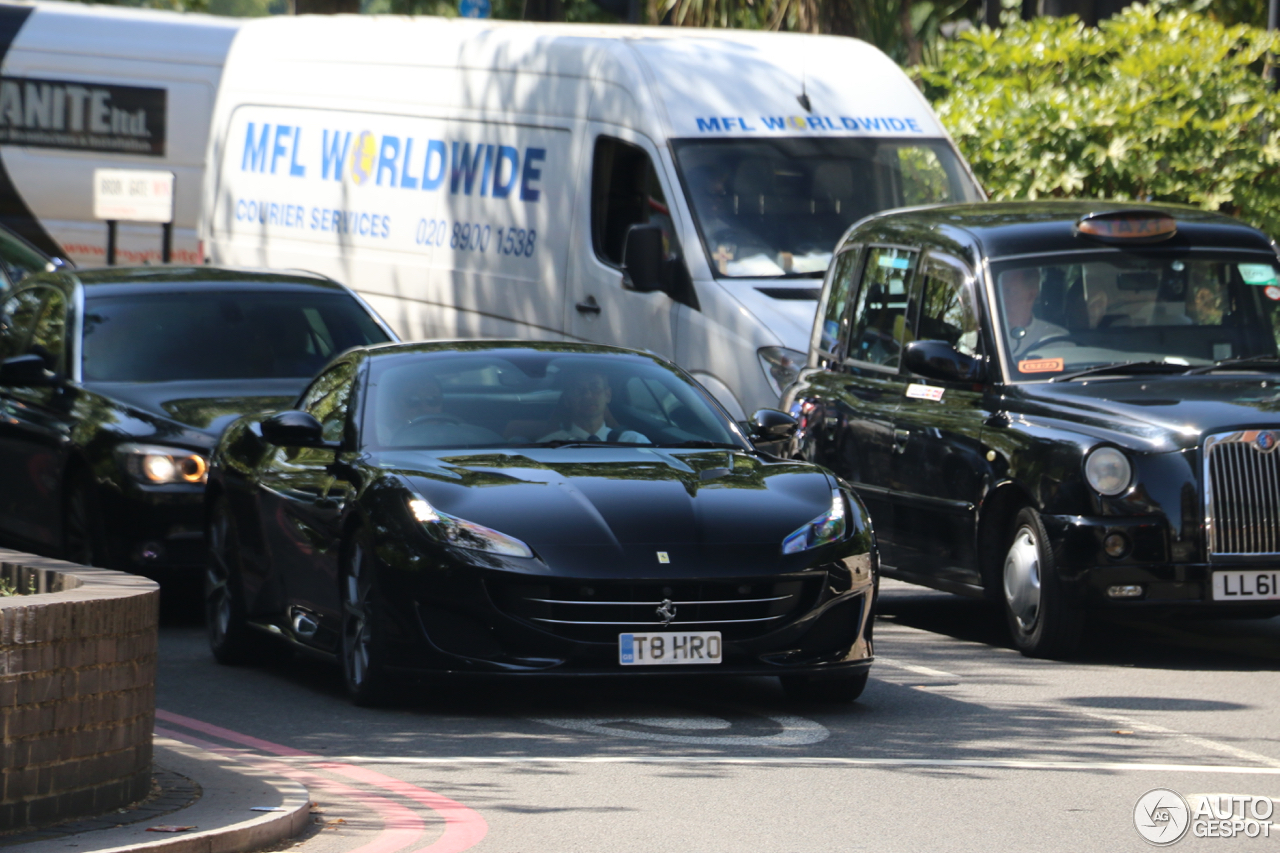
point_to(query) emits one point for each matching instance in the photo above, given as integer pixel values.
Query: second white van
(671, 190)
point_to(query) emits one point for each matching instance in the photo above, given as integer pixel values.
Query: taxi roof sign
(1129, 226)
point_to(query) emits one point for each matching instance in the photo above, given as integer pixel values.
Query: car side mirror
(773, 425)
(295, 429)
(26, 371)
(642, 256)
(940, 360)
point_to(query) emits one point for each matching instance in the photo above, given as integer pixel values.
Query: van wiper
(1123, 367)
(1270, 361)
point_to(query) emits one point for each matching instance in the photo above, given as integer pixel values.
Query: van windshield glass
(776, 207)
(1069, 312)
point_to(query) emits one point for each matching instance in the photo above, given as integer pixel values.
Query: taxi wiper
(1123, 367)
(1248, 360)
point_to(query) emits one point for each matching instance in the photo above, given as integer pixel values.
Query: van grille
(596, 612)
(1242, 493)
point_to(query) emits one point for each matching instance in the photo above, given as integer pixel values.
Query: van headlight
(781, 366)
(461, 533)
(156, 465)
(826, 528)
(1108, 471)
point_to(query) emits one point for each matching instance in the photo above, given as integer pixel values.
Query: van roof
(705, 83)
(83, 29)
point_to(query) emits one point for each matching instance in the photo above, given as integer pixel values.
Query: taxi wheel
(362, 670)
(82, 527)
(1043, 622)
(231, 639)
(846, 688)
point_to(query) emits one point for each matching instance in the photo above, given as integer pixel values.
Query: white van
(85, 87)
(486, 179)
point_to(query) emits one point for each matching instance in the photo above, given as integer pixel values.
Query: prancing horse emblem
(666, 611)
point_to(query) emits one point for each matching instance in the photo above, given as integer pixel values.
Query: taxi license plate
(1252, 585)
(661, 649)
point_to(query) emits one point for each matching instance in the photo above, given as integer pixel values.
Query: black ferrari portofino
(509, 507)
(115, 384)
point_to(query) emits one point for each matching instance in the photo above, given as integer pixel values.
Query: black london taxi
(1060, 406)
(114, 387)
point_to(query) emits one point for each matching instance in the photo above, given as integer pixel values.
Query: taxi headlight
(461, 533)
(1108, 471)
(826, 528)
(157, 465)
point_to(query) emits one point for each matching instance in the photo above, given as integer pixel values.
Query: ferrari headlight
(461, 533)
(781, 366)
(1108, 471)
(824, 529)
(156, 465)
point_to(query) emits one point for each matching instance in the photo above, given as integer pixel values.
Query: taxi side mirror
(26, 371)
(940, 360)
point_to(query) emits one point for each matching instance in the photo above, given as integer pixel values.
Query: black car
(520, 508)
(114, 387)
(19, 259)
(1060, 406)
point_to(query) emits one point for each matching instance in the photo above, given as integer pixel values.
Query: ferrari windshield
(504, 397)
(776, 207)
(1065, 313)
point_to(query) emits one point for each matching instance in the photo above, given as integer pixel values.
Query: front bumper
(1150, 562)
(151, 530)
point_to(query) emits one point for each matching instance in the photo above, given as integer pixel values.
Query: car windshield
(776, 207)
(1065, 313)
(525, 397)
(234, 334)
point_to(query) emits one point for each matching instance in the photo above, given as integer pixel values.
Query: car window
(327, 398)
(625, 191)
(49, 337)
(18, 259)
(839, 308)
(879, 321)
(1073, 311)
(232, 334)
(947, 310)
(521, 397)
(35, 317)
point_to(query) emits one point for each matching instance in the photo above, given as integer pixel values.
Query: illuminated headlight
(461, 533)
(157, 465)
(826, 528)
(781, 366)
(1108, 471)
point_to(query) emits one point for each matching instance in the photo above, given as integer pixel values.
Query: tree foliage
(1158, 103)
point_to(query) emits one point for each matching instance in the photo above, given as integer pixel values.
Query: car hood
(609, 510)
(1168, 411)
(203, 407)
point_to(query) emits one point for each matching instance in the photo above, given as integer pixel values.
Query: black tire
(83, 531)
(231, 639)
(844, 689)
(363, 672)
(1043, 621)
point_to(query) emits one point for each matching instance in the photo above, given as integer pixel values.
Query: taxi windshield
(776, 207)
(1065, 313)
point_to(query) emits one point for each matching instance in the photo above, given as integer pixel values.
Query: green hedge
(1158, 103)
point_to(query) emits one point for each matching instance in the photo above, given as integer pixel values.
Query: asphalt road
(959, 743)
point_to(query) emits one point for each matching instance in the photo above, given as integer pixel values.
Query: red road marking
(464, 827)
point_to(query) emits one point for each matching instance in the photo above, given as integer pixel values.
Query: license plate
(669, 648)
(1253, 585)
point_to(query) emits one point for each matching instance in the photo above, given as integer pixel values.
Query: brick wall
(77, 690)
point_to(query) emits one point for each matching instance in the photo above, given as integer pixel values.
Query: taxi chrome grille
(1242, 493)
(597, 611)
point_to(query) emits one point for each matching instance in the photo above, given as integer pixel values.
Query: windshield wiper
(700, 442)
(576, 442)
(1251, 360)
(1123, 367)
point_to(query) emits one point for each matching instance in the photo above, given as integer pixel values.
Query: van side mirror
(940, 360)
(295, 429)
(26, 371)
(642, 256)
(773, 425)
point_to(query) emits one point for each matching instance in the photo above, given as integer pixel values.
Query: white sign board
(133, 195)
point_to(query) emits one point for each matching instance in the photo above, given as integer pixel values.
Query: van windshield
(776, 207)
